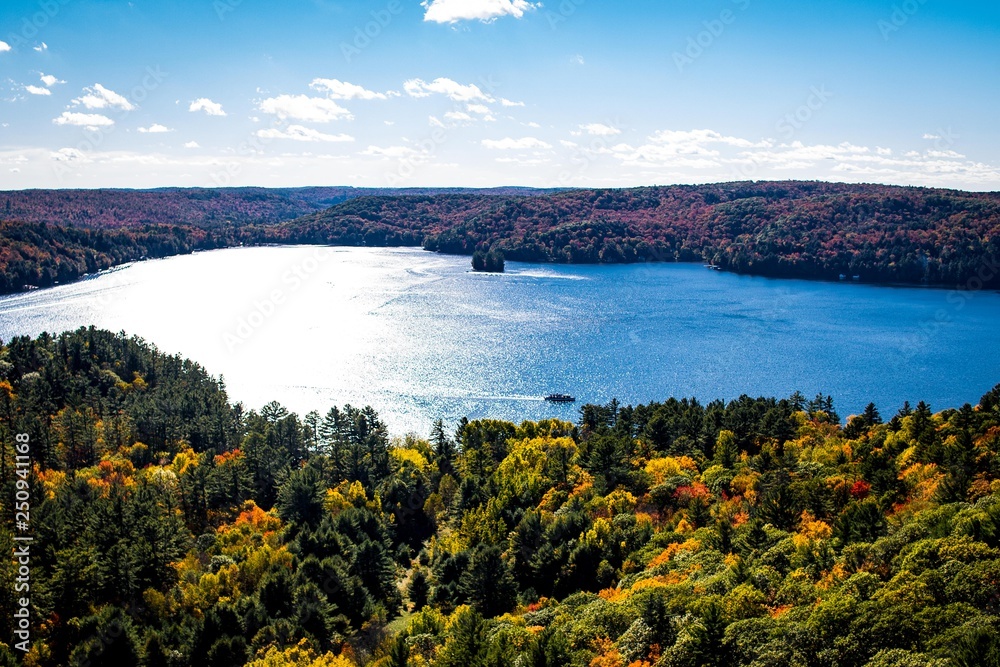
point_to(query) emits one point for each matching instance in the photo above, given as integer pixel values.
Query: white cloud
(300, 133)
(4, 46)
(459, 116)
(192, 144)
(389, 151)
(482, 110)
(600, 130)
(577, 60)
(526, 143)
(100, 97)
(932, 137)
(68, 155)
(42, 47)
(50, 80)
(155, 128)
(950, 155)
(452, 11)
(676, 155)
(303, 107)
(342, 90)
(38, 90)
(524, 162)
(690, 149)
(442, 86)
(694, 140)
(507, 103)
(91, 121)
(208, 106)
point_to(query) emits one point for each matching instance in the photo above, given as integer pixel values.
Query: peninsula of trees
(825, 231)
(174, 528)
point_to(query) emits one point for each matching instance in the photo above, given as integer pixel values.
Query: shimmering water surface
(418, 336)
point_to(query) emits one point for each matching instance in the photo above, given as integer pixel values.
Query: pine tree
(467, 645)
(444, 448)
(419, 589)
(488, 583)
(871, 415)
(399, 653)
(300, 498)
(726, 450)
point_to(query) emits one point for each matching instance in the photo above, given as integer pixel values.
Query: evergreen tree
(871, 415)
(300, 498)
(726, 451)
(419, 589)
(399, 653)
(444, 448)
(488, 583)
(467, 644)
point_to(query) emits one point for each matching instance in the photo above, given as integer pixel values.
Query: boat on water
(560, 398)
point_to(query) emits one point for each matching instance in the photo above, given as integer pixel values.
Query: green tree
(419, 589)
(549, 649)
(488, 583)
(467, 644)
(300, 498)
(726, 450)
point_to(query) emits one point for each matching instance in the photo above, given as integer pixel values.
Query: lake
(419, 336)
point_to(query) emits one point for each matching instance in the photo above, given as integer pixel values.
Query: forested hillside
(790, 229)
(173, 528)
(878, 234)
(201, 207)
(56, 236)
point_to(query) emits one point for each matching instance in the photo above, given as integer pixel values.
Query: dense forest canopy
(789, 229)
(174, 528)
(869, 233)
(201, 207)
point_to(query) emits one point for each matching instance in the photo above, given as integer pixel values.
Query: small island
(488, 262)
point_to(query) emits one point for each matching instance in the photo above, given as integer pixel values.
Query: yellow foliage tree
(301, 655)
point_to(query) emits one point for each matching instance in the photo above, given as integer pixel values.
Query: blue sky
(497, 92)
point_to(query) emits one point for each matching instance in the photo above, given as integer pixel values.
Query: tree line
(827, 231)
(173, 527)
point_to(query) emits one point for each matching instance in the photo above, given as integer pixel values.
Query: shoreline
(720, 269)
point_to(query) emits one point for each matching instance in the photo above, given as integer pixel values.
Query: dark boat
(560, 398)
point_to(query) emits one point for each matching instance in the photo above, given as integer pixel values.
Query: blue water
(418, 336)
